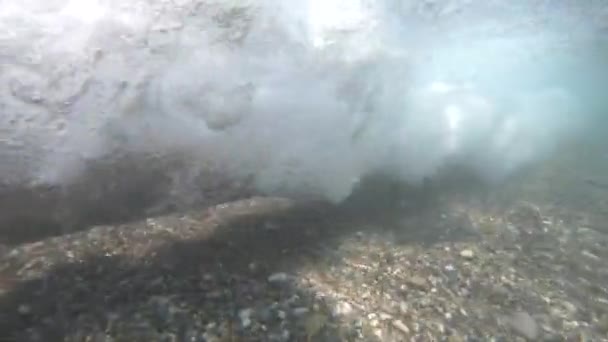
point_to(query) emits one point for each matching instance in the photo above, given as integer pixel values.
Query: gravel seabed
(446, 266)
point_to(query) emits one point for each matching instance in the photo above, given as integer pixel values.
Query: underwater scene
(273, 170)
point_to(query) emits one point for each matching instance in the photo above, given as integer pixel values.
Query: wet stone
(418, 283)
(523, 324)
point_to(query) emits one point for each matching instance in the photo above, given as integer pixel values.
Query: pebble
(245, 316)
(278, 277)
(467, 253)
(24, 309)
(570, 308)
(298, 312)
(207, 336)
(265, 314)
(602, 324)
(499, 294)
(404, 308)
(440, 327)
(384, 316)
(293, 299)
(343, 309)
(417, 282)
(590, 255)
(399, 325)
(522, 323)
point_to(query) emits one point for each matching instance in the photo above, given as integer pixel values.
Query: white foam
(308, 97)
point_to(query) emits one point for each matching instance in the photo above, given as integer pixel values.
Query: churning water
(301, 98)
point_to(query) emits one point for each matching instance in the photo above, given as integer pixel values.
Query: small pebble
(207, 336)
(590, 255)
(343, 309)
(570, 308)
(602, 324)
(298, 312)
(245, 316)
(404, 308)
(24, 309)
(522, 323)
(417, 282)
(278, 278)
(384, 316)
(399, 325)
(378, 333)
(467, 253)
(499, 294)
